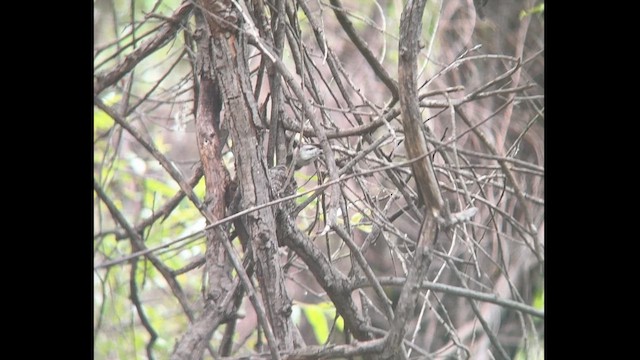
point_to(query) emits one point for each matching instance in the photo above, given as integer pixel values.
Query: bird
(281, 176)
(304, 155)
(283, 184)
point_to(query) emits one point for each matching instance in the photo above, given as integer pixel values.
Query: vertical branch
(135, 299)
(210, 142)
(410, 30)
(231, 71)
(273, 35)
(415, 143)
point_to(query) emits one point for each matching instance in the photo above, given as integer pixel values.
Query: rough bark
(410, 30)
(241, 113)
(415, 143)
(217, 267)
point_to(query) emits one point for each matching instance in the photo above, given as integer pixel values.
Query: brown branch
(456, 291)
(379, 121)
(336, 351)
(135, 299)
(331, 216)
(532, 230)
(210, 143)
(254, 209)
(380, 206)
(363, 348)
(410, 30)
(142, 99)
(274, 37)
(371, 276)
(215, 314)
(409, 293)
(334, 64)
(318, 189)
(199, 261)
(230, 68)
(519, 52)
(329, 278)
(121, 47)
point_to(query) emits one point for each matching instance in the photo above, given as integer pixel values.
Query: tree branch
(210, 143)
(166, 34)
(410, 30)
(241, 113)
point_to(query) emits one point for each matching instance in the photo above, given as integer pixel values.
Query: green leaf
(356, 218)
(321, 316)
(316, 317)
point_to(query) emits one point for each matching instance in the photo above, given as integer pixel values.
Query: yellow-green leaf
(538, 300)
(316, 317)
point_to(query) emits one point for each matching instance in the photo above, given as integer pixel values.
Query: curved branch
(135, 299)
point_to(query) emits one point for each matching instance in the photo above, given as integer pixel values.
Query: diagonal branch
(139, 245)
(357, 254)
(164, 35)
(330, 279)
(166, 209)
(364, 49)
(162, 159)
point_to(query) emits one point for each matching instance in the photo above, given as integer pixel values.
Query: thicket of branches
(417, 234)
